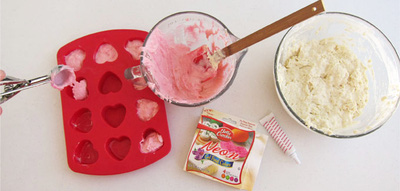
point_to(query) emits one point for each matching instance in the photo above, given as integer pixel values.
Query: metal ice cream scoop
(12, 85)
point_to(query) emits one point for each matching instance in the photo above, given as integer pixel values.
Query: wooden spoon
(276, 27)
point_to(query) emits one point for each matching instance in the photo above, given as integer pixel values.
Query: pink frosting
(75, 59)
(151, 143)
(134, 47)
(79, 90)
(146, 109)
(172, 66)
(106, 53)
(231, 147)
(63, 78)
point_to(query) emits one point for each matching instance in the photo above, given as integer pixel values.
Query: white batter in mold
(324, 83)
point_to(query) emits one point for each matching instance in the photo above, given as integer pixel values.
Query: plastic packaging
(226, 149)
(280, 137)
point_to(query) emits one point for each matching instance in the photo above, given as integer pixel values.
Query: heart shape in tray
(85, 153)
(82, 120)
(106, 53)
(114, 115)
(109, 83)
(119, 148)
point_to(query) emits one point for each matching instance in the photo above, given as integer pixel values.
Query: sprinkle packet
(226, 149)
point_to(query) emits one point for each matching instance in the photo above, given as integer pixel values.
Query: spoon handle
(276, 27)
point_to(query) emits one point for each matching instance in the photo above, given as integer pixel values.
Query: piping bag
(280, 137)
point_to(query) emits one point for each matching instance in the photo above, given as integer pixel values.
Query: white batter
(324, 83)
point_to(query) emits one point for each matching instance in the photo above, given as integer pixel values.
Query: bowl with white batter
(337, 75)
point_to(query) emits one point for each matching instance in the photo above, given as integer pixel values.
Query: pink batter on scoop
(231, 147)
(151, 143)
(79, 90)
(75, 59)
(63, 78)
(177, 77)
(146, 109)
(134, 47)
(106, 53)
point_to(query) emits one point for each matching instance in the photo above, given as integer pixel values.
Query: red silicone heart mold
(103, 131)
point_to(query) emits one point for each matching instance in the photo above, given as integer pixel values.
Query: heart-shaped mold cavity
(109, 83)
(146, 109)
(75, 59)
(114, 115)
(79, 90)
(82, 120)
(119, 148)
(151, 142)
(134, 47)
(105, 53)
(85, 153)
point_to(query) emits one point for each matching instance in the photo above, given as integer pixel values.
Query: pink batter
(146, 109)
(134, 47)
(151, 143)
(63, 77)
(75, 59)
(106, 53)
(79, 90)
(177, 78)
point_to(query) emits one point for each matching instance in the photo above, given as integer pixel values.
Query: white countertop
(33, 155)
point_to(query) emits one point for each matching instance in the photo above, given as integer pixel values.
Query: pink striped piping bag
(280, 137)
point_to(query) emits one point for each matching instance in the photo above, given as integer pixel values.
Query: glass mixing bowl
(183, 28)
(371, 47)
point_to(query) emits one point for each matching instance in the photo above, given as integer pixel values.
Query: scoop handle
(276, 27)
(11, 88)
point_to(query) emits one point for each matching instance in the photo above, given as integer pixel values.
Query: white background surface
(33, 153)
